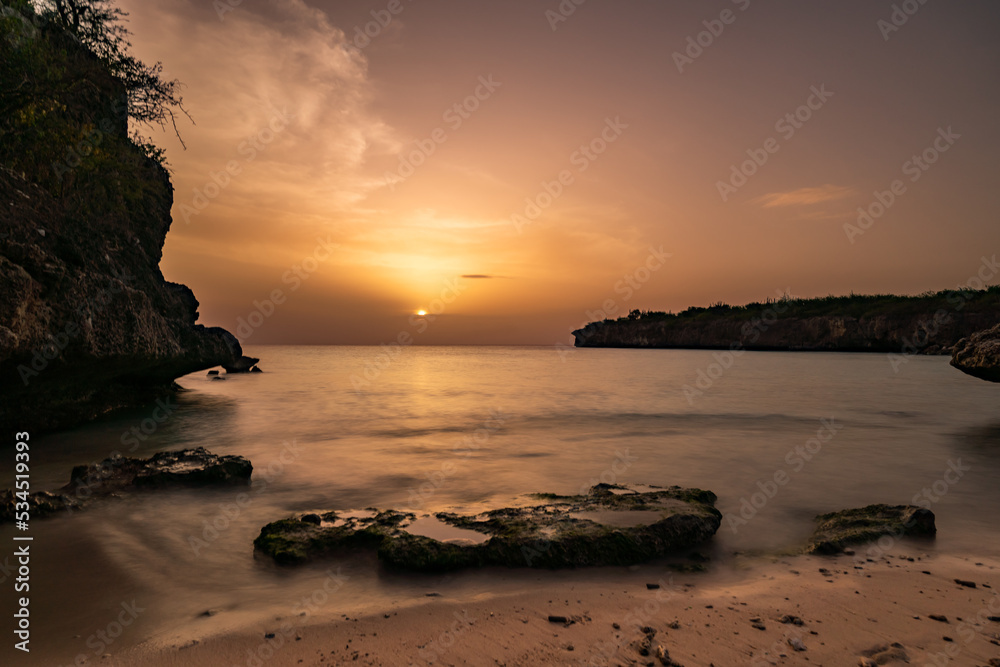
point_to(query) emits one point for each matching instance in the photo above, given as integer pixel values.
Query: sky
(518, 169)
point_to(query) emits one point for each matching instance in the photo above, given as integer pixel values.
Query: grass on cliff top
(855, 305)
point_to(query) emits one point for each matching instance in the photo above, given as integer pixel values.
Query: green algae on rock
(836, 530)
(610, 525)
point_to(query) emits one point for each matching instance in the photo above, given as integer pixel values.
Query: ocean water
(779, 437)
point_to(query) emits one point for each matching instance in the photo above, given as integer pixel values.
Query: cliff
(87, 322)
(928, 324)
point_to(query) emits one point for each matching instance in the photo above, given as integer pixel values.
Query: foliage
(99, 26)
(64, 112)
(854, 305)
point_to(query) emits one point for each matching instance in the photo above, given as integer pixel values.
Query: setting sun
(421, 313)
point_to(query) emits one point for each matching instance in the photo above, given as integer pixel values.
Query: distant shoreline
(926, 324)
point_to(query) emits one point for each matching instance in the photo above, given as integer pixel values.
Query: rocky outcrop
(837, 530)
(243, 365)
(87, 322)
(979, 355)
(611, 525)
(117, 475)
(903, 325)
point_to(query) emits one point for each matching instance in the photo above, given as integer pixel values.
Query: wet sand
(800, 610)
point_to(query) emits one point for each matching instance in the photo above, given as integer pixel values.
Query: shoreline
(726, 617)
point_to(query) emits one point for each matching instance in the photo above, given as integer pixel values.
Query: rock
(645, 645)
(241, 365)
(558, 619)
(192, 467)
(188, 467)
(213, 373)
(938, 617)
(884, 654)
(611, 525)
(867, 662)
(836, 530)
(979, 355)
(663, 655)
(41, 504)
(788, 619)
(256, 369)
(796, 644)
(652, 587)
(967, 584)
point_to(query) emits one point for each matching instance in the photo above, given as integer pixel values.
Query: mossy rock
(611, 525)
(836, 530)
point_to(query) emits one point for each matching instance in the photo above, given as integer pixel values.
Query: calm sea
(780, 437)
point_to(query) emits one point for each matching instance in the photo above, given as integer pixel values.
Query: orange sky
(567, 163)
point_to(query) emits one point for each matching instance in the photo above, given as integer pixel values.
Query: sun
(421, 313)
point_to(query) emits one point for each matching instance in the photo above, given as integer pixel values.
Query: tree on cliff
(98, 25)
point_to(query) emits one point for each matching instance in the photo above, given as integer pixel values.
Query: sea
(780, 437)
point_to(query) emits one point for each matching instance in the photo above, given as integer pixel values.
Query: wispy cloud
(805, 196)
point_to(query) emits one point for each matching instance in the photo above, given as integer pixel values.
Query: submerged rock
(187, 467)
(837, 530)
(242, 365)
(611, 525)
(979, 355)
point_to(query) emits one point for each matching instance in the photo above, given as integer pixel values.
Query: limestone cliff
(87, 322)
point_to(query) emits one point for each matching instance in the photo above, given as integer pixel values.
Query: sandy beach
(901, 607)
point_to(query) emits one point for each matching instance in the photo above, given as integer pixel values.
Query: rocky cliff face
(979, 355)
(87, 322)
(927, 333)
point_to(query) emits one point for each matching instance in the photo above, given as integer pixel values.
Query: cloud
(805, 196)
(479, 276)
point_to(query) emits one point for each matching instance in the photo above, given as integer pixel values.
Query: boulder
(188, 467)
(979, 355)
(837, 530)
(610, 525)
